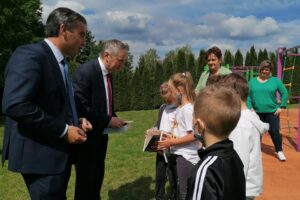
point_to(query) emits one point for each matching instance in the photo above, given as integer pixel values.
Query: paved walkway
(282, 179)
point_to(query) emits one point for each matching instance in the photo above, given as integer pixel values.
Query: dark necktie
(109, 91)
(70, 93)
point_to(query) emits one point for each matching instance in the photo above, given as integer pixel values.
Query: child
(246, 137)
(184, 148)
(219, 174)
(165, 120)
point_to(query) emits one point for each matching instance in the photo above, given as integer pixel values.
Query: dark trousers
(162, 174)
(274, 123)
(48, 187)
(183, 169)
(90, 168)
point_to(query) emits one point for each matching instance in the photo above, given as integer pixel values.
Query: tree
(238, 58)
(21, 23)
(191, 66)
(180, 61)
(121, 84)
(159, 79)
(260, 56)
(265, 55)
(168, 64)
(248, 59)
(137, 87)
(272, 58)
(201, 63)
(228, 58)
(253, 56)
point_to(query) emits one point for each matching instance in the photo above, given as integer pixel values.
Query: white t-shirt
(167, 119)
(246, 142)
(182, 124)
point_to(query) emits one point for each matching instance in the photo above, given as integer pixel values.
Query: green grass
(129, 171)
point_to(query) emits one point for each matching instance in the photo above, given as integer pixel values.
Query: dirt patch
(282, 179)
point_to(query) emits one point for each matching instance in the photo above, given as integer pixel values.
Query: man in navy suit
(93, 94)
(41, 119)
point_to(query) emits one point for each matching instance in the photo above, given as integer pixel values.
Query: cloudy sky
(168, 24)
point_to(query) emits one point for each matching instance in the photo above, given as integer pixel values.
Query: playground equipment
(248, 71)
(282, 71)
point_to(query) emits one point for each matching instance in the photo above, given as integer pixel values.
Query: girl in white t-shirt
(166, 117)
(184, 147)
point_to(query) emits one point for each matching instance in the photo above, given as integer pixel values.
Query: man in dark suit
(93, 94)
(39, 105)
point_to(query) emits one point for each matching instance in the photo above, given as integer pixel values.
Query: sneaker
(281, 156)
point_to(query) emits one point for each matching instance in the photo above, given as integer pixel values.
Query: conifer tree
(201, 63)
(260, 56)
(181, 61)
(191, 65)
(169, 66)
(159, 79)
(248, 61)
(238, 58)
(253, 56)
(228, 58)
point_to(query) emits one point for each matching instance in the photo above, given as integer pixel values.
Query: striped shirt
(218, 175)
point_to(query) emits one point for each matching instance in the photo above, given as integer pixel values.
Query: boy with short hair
(246, 137)
(219, 173)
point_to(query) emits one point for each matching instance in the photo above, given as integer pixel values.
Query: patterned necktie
(70, 93)
(109, 91)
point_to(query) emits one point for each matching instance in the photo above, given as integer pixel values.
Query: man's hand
(75, 135)
(116, 122)
(85, 125)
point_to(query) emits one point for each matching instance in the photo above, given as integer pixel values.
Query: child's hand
(166, 142)
(166, 135)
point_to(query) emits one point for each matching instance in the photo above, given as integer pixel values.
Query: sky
(165, 25)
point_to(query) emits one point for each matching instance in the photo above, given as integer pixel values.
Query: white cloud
(127, 21)
(250, 26)
(217, 25)
(47, 8)
(166, 25)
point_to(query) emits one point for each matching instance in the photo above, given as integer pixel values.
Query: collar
(220, 148)
(103, 68)
(57, 53)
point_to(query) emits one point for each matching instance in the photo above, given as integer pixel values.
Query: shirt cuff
(65, 132)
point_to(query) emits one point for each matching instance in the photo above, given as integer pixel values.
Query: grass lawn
(129, 171)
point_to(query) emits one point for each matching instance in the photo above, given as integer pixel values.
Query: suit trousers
(90, 167)
(48, 187)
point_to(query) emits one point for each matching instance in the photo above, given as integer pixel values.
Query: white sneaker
(281, 156)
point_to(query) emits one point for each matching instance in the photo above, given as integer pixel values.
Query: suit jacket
(36, 105)
(90, 96)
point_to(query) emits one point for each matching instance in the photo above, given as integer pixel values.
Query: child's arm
(168, 140)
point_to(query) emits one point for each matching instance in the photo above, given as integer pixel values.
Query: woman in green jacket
(214, 60)
(263, 99)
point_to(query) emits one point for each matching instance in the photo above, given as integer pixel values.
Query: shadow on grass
(136, 190)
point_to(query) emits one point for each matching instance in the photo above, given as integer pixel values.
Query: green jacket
(204, 76)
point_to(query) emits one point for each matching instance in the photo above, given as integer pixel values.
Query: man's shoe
(281, 156)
